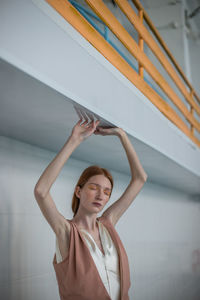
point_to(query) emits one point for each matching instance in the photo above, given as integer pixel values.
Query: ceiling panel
(36, 114)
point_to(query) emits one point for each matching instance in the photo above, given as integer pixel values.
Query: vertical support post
(141, 44)
(192, 112)
(106, 32)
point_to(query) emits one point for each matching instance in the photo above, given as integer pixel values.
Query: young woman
(90, 261)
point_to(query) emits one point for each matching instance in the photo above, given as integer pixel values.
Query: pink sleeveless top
(77, 275)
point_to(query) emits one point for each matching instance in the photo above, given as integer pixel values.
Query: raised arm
(138, 175)
(42, 188)
(137, 171)
(50, 174)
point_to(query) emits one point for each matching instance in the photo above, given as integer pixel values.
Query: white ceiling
(34, 113)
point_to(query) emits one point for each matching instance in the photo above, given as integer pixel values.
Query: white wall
(193, 41)
(163, 245)
(163, 16)
(170, 21)
(194, 47)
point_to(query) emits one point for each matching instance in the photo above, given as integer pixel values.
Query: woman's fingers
(85, 122)
(93, 124)
(97, 123)
(90, 124)
(86, 129)
(79, 122)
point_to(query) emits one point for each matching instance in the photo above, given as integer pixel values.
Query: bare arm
(50, 174)
(136, 168)
(138, 176)
(42, 189)
(79, 133)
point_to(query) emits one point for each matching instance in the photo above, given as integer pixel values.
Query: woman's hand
(83, 131)
(109, 131)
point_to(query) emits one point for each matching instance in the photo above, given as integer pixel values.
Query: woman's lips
(97, 204)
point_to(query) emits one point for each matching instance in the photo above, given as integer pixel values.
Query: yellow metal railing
(164, 56)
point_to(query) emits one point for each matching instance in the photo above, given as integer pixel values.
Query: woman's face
(97, 189)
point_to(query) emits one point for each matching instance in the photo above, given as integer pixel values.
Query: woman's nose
(100, 193)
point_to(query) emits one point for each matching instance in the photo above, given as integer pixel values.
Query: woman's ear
(77, 191)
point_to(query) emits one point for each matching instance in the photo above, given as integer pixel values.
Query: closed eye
(92, 187)
(95, 187)
(107, 193)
